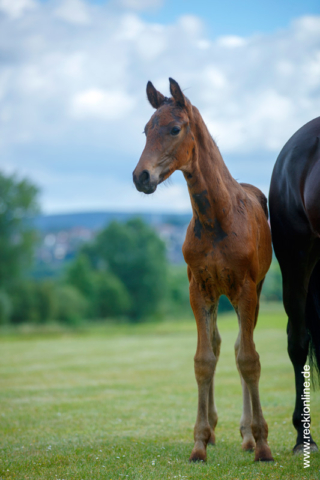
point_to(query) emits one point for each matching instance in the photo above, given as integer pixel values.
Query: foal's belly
(213, 282)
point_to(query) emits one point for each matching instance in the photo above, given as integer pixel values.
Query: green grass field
(120, 403)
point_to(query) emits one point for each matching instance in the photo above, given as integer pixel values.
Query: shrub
(5, 307)
(24, 302)
(112, 297)
(135, 254)
(72, 307)
(46, 301)
(272, 287)
(178, 291)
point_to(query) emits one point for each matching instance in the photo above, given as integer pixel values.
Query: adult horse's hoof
(263, 455)
(298, 449)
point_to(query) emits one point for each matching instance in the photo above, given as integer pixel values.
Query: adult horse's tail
(313, 323)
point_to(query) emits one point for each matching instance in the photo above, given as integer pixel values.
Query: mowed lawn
(120, 403)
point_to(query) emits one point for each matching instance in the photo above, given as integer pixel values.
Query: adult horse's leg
(212, 411)
(249, 365)
(204, 366)
(295, 287)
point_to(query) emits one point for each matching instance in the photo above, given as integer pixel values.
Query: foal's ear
(155, 98)
(177, 93)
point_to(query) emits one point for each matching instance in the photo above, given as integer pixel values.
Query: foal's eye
(175, 131)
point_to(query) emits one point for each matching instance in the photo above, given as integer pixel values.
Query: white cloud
(130, 27)
(141, 4)
(73, 11)
(231, 41)
(112, 105)
(191, 24)
(72, 92)
(16, 8)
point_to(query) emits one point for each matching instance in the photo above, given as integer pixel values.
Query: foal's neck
(212, 189)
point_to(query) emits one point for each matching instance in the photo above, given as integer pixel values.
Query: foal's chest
(212, 265)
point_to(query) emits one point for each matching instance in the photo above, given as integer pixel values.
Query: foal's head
(170, 141)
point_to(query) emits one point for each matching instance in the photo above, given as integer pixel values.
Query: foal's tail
(313, 323)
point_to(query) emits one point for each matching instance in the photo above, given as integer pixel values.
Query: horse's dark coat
(295, 222)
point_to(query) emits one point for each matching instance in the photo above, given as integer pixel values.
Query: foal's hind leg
(249, 365)
(204, 366)
(248, 442)
(212, 411)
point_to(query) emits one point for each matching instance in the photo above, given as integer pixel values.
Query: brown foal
(227, 249)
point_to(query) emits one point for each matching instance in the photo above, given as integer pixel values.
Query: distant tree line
(122, 274)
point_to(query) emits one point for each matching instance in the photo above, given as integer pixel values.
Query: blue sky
(230, 17)
(72, 89)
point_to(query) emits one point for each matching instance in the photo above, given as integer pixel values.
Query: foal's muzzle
(144, 182)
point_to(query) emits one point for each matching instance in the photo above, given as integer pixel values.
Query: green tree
(72, 307)
(178, 291)
(272, 287)
(112, 298)
(24, 300)
(80, 275)
(135, 254)
(106, 295)
(18, 204)
(5, 307)
(46, 301)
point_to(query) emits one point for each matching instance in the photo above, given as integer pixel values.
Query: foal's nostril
(144, 177)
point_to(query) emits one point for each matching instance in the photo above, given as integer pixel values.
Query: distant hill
(98, 220)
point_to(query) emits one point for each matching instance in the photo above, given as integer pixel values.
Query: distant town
(61, 236)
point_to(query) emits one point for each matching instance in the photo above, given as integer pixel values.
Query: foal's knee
(204, 366)
(249, 366)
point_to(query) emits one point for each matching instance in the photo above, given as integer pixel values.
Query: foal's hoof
(263, 455)
(264, 459)
(298, 449)
(248, 445)
(212, 439)
(198, 456)
(248, 442)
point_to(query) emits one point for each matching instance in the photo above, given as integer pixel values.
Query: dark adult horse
(227, 249)
(295, 224)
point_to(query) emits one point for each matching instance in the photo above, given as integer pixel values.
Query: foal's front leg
(215, 342)
(204, 366)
